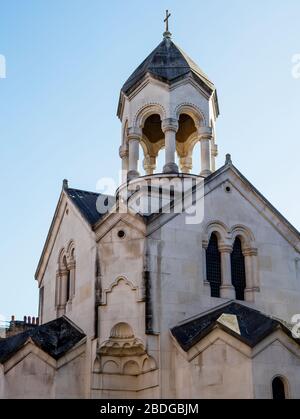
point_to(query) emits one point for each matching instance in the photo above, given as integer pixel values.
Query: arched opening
(152, 129)
(279, 389)
(213, 266)
(238, 271)
(185, 138)
(186, 128)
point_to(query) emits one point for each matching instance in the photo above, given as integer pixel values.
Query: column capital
(169, 124)
(225, 248)
(205, 132)
(123, 151)
(205, 244)
(134, 133)
(206, 137)
(62, 272)
(72, 265)
(250, 251)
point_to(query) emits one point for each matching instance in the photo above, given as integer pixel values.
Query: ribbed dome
(122, 331)
(168, 63)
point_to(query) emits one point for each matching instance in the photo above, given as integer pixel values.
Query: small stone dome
(121, 331)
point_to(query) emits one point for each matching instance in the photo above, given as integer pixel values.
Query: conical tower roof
(169, 64)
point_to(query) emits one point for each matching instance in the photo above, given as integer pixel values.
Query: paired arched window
(238, 271)
(279, 389)
(65, 279)
(213, 266)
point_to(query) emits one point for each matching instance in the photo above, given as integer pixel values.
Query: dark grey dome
(169, 64)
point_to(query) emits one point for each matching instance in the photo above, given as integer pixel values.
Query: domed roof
(122, 331)
(169, 64)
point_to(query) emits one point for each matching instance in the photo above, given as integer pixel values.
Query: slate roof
(254, 326)
(86, 202)
(168, 63)
(56, 338)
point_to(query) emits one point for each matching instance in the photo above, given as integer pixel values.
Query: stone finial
(228, 159)
(13, 318)
(65, 184)
(25, 319)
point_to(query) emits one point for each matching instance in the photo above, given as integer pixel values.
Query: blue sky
(66, 62)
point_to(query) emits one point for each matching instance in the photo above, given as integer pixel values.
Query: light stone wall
(277, 359)
(30, 378)
(32, 374)
(175, 263)
(177, 271)
(219, 372)
(122, 266)
(73, 227)
(72, 378)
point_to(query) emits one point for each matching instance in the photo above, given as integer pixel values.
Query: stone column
(205, 155)
(72, 269)
(134, 142)
(204, 269)
(170, 128)
(62, 297)
(149, 165)
(186, 164)
(227, 289)
(123, 151)
(214, 155)
(249, 255)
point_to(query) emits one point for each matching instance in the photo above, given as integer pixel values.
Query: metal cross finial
(168, 15)
(167, 34)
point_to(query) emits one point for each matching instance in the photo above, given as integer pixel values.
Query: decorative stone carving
(122, 342)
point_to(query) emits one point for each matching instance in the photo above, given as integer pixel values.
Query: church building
(182, 285)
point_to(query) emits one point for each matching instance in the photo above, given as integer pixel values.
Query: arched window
(68, 285)
(67, 280)
(213, 266)
(238, 273)
(278, 389)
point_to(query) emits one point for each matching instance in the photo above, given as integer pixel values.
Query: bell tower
(168, 103)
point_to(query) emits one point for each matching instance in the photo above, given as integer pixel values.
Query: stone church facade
(154, 304)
